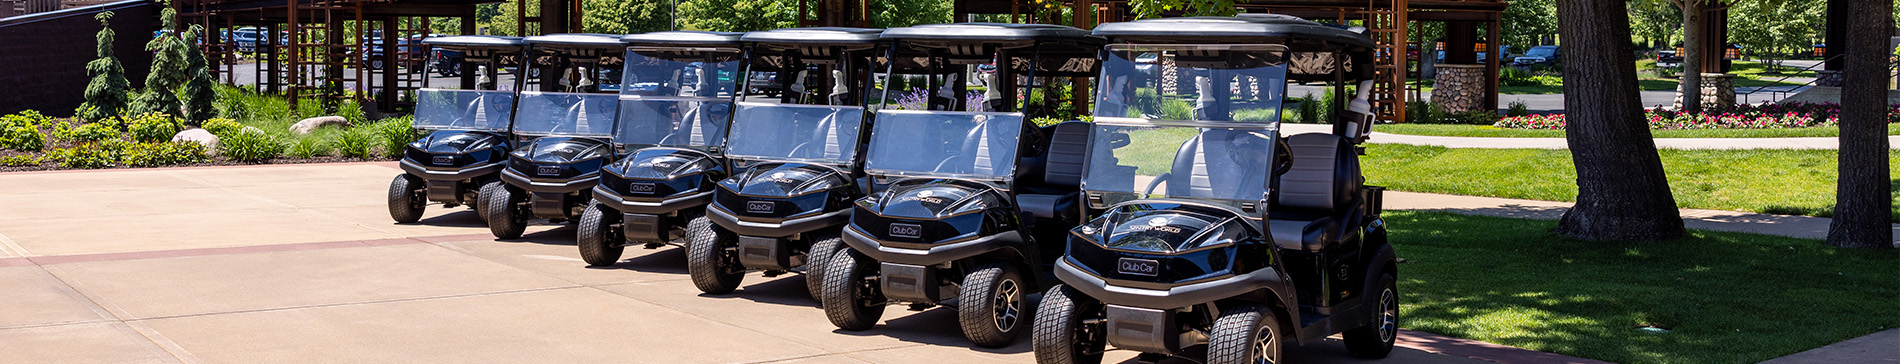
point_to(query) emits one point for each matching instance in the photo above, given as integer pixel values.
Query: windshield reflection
(819, 133)
(1193, 83)
(463, 109)
(1178, 161)
(944, 144)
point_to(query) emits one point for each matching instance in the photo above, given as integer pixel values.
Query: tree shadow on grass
(1723, 297)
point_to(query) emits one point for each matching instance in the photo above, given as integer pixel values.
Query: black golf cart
(552, 175)
(969, 208)
(1211, 232)
(675, 106)
(469, 132)
(797, 161)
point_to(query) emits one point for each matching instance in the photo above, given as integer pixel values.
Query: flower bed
(1772, 116)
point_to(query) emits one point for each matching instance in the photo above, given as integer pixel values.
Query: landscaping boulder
(200, 136)
(309, 125)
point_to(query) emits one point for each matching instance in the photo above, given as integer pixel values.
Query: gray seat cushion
(1303, 235)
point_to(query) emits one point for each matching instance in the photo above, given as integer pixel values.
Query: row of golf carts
(904, 166)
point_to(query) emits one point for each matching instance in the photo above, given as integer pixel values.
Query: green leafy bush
(307, 148)
(20, 160)
(1513, 76)
(395, 133)
(355, 143)
(20, 132)
(1176, 110)
(101, 154)
(1420, 112)
(153, 128)
(222, 127)
(163, 154)
(249, 146)
(87, 133)
(1473, 117)
(1518, 109)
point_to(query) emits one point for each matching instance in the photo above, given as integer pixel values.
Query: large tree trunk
(1864, 198)
(1691, 86)
(1622, 193)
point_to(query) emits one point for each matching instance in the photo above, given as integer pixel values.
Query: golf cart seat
(1316, 194)
(1234, 158)
(824, 141)
(1061, 171)
(695, 129)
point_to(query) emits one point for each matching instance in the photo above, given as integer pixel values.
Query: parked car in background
(446, 62)
(1548, 55)
(1668, 59)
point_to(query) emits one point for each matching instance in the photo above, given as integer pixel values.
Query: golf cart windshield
(811, 133)
(440, 109)
(560, 113)
(680, 97)
(1218, 82)
(978, 145)
(1226, 163)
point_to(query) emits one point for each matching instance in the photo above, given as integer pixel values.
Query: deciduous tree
(738, 15)
(1144, 9)
(1863, 200)
(626, 16)
(106, 94)
(1622, 193)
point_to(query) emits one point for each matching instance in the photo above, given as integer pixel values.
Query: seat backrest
(1068, 152)
(1324, 176)
(1220, 163)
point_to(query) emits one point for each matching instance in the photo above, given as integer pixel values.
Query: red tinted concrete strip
(454, 238)
(1446, 345)
(58, 171)
(107, 257)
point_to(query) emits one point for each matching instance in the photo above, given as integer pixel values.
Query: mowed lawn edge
(1772, 181)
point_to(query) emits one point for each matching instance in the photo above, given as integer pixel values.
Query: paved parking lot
(302, 264)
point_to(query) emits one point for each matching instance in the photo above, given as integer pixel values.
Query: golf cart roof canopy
(476, 42)
(673, 38)
(1299, 35)
(991, 32)
(576, 40)
(853, 38)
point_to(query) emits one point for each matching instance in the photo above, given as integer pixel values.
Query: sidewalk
(1560, 143)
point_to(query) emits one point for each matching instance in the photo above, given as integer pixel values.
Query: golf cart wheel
(1245, 334)
(850, 300)
(993, 302)
(1375, 340)
(405, 198)
(714, 268)
(505, 217)
(478, 203)
(454, 69)
(823, 246)
(600, 243)
(1063, 335)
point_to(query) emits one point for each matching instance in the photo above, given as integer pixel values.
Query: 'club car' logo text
(640, 187)
(1134, 266)
(907, 230)
(760, 207)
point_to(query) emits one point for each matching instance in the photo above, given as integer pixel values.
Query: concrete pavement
(299, 263)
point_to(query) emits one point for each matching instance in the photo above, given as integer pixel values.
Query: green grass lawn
(1488, 131)
(1724, 297)
(1790, 182)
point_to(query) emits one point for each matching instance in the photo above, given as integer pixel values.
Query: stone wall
(1718, 91)
(1459, 87)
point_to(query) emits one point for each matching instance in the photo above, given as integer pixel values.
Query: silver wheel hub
(1388, 316)
(1264, 344)
(1008, 301)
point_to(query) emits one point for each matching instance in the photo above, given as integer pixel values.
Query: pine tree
(198, 95)
(168, 68)
(106, 95)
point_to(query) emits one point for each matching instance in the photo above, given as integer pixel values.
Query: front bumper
(583, 182)
(883, 251)
(443, 174)
(1172, 297)
(642, 205)
(776, 228)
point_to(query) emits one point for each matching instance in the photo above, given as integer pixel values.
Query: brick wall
(43, 56)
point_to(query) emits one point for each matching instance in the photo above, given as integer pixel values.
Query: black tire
(823, 246)
(714, 268)
(482, 213)
(505, 218)
(1245, 334)
(1375, 340)
(405, 199)
(600, 243)
(1061, 336)
(454, 69)
(993, 304)
(851, 302)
